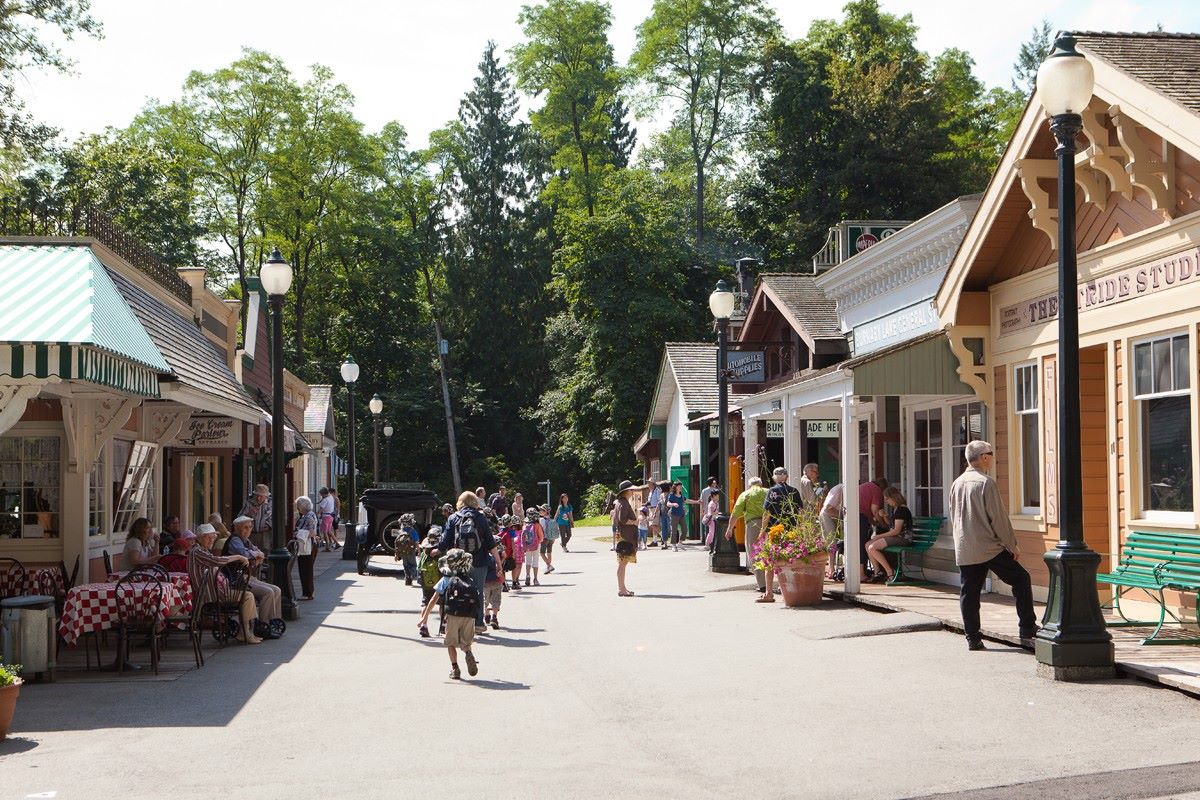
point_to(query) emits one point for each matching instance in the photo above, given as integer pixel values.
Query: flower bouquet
(798, 550)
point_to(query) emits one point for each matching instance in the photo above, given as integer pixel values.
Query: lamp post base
(1074, 643)
(280, 576)
(349, 542)
(725, 557)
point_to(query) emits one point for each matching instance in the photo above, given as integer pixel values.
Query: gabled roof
(317, 414)
(192, 357)
(691, 369)
(807, 309)
(1168, 63)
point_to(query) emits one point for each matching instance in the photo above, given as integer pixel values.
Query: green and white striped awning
(61, 315)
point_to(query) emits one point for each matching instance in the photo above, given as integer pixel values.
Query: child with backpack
(461, 599)
(427, 568)
(513, 553)
(531, 543)
(493, 590)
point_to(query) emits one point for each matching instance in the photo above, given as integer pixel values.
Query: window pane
(935, 468)
(1167, 454)
(922, 468)
(935, 428)
(1032, 381)
(1031, 495)
(922, 502)
(921, 434)
(1161, 365)
(1019, 388)
(1141, 362)
(1181, 363)
(936, 509)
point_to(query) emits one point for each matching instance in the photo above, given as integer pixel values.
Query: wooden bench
(926, 531)
(1153, 563)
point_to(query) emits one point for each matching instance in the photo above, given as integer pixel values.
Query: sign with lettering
(1157, 276)
(745, 366)
(210, 432)
(822, 428)
(1050, 434)
(774, 429)
(896, 327)
(777, 405)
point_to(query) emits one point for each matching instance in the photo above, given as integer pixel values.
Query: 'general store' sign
(1127, 284)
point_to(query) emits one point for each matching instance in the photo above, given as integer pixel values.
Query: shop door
(204, 493)
(682, 475)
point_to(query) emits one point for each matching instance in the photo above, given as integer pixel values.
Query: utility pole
(441, 350)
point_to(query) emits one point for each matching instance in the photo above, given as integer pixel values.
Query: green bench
(926, 531)
(1155, 562)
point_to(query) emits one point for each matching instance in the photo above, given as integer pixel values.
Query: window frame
(38, 431)
(1017, 413)
(1135, 421)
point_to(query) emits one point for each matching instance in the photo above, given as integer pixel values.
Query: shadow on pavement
(511, 642)
(671, 596)
(500, 686)
(16, 744)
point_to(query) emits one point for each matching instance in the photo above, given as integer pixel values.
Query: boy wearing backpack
(427, 568)
(531, 543)
(493, 590)
(461, 597)
(468, 529)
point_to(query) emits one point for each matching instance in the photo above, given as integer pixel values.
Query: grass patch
(599, 521)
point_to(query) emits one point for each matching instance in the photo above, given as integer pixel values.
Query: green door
(682, 474)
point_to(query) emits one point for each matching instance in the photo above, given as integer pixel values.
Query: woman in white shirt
(141, 544)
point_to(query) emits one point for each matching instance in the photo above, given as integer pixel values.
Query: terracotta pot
(8, 703)
(803, 583)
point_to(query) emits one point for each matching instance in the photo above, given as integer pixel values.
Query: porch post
(850, 480)
(750, 436)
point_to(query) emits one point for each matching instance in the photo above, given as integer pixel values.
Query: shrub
(593, 500)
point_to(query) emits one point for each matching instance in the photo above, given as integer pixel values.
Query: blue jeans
(479, 575)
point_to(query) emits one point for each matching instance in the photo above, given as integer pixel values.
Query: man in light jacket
(984, 541)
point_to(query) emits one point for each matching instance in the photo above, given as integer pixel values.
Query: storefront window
(1162, 391)
(927, 450)
(1025, 406)
(30, 486)
(134, 459)
(966, 423)
(98, 492)
(864, 450)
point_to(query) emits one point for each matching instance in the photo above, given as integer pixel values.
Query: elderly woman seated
(268, 596)
(206, 537)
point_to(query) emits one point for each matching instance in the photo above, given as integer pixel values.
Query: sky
(412, 60)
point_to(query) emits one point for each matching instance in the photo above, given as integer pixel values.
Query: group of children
(449, 582)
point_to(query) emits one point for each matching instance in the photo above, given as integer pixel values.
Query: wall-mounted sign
(777, 405)
(896, 327)
(1157, 276)
(860, 237)
(714, 430)
(210, 432)
(744, 366)
(774, 429)
(822, 428)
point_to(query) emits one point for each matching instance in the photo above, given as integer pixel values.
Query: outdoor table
(38, 580)
(181, 580)
(92, 607)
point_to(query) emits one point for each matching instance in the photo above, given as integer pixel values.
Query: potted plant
(10, 687)
(797, 550)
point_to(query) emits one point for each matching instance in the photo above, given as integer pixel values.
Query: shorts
(900, 540)
(531, 558)
(547, 547)
(327, 523)
(492, 593)
(460, 632)
(629, 559)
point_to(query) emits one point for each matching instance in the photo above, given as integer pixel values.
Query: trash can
(27, 634)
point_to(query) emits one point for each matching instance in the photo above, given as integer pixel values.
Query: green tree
(698, 56)
(1010, 103)
(568, 60)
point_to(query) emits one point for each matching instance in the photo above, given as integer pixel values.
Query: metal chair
(217, 607)
(12, 578)
(107, 563)
(190, 621)
(139, 598)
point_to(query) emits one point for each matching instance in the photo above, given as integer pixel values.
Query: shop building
(1138, 223)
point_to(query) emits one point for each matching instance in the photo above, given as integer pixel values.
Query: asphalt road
(688, 689)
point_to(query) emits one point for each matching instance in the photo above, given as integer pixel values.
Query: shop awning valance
(62, 316)
(924, 365)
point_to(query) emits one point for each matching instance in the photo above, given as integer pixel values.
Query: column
(750, 435)
(850, 481)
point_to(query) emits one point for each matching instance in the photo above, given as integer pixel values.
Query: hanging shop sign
(745, 366)
(822, 428)
(1127, 284)
(774, 429)
(210, 432)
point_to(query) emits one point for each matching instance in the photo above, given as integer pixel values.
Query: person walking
(984, 542)
(326, 512)
(258, 509)
(566, 520)
(676, 509)
(462, 597)
(625, 516)
(781, 507)
(306, 551)
(549, 536)
(830, 517)
(808, 486)
(517, 509)
(749, 508)
(531, 543)
(655, 503)
(468, 530)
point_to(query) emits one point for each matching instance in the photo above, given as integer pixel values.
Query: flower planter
(8, 703)
(802, 583)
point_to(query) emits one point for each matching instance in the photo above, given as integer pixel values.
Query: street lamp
(388, 430)
(725, 553)
(1074, 642)
(350, 545)
(276, 277)
(376, 406)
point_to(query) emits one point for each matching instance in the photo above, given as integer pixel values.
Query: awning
(63, 317)
(924, 365)
(699, 422)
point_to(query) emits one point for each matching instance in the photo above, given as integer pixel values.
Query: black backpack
(462, 598)
(467, 534)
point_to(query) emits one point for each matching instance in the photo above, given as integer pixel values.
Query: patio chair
(12, 578)
(190, 622)
(107, 563)
(139, 599)
(219, 609)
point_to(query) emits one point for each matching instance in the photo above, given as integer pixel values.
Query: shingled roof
(802, 300)
(1168, 63)
(694, 365)
(316, 413)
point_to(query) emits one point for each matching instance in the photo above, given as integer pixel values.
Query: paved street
(687, 690)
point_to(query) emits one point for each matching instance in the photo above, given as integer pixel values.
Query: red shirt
(869, 494)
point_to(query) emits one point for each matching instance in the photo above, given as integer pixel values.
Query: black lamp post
(376, 406)
(1074, 642)
(350, 546)
(388, 430)
(725, 553)
(276, 277)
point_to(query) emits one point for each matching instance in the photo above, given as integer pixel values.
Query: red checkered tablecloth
(181, 581)
(92, 607)
(38, 580)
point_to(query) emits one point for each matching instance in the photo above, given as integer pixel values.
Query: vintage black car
(384, 507)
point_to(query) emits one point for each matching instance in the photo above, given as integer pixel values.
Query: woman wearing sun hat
(625, 516)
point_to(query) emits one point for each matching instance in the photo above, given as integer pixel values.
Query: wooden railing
(20, 217)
